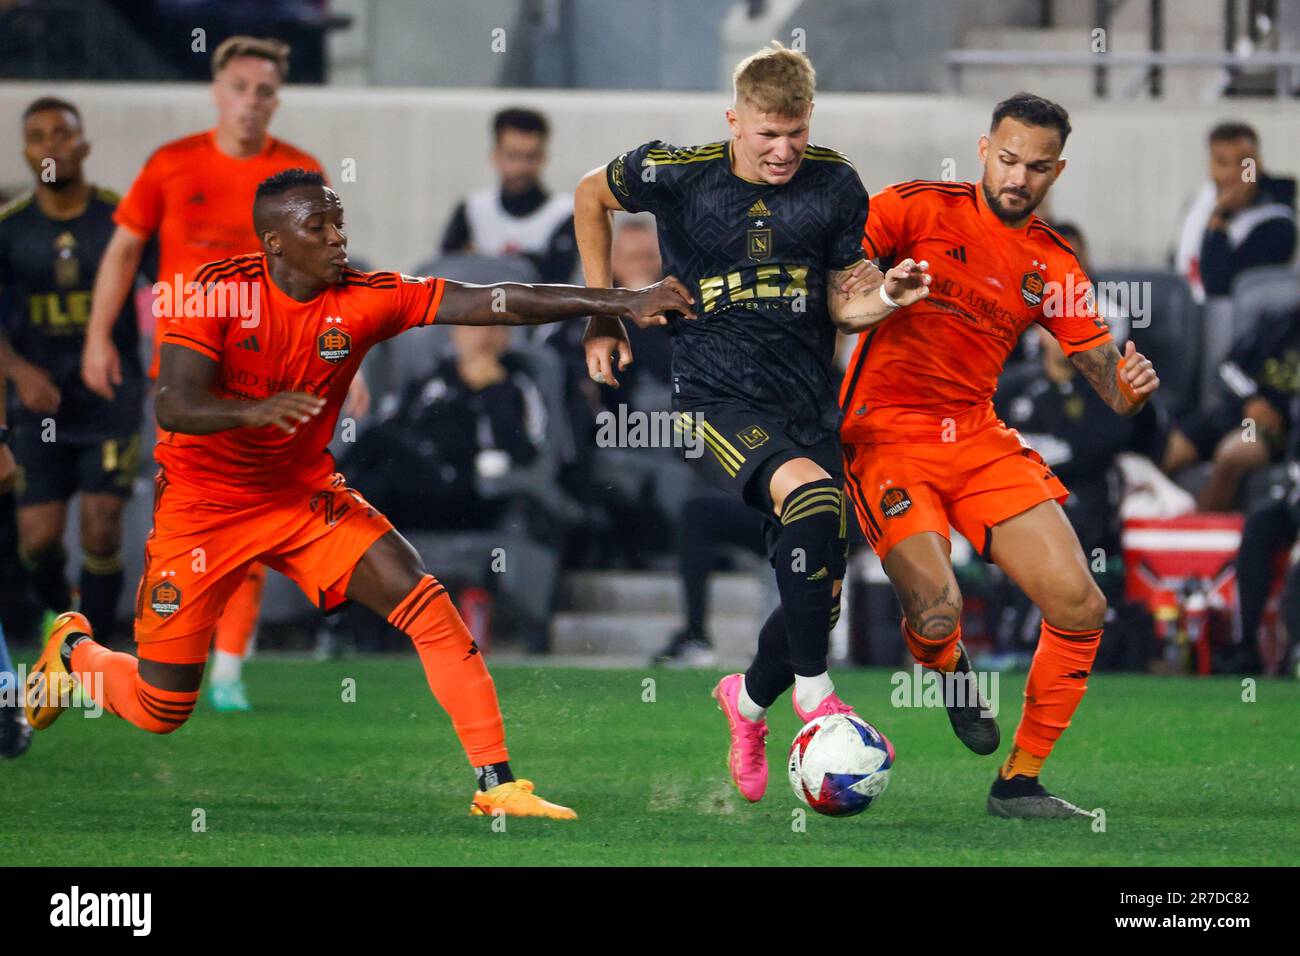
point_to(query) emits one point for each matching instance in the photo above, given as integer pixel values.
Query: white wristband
(884, 297)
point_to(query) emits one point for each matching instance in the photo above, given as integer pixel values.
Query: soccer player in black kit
(65, 439)
(766, 229)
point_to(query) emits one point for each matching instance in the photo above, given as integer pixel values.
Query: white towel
(1147, 492)
(1187, 260)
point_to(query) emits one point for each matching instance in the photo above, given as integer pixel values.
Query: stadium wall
(415, 152)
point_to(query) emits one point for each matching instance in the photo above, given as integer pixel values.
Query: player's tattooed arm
(517, 303)
(877, 296)
(1124, 382)
(187, 405)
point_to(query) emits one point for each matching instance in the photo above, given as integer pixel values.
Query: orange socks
(239, 619)
(1021, 763)
(127, 695)
(939, 653)
(1057, 680)
(455, 670)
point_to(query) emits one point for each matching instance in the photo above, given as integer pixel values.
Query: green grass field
(1186, 772)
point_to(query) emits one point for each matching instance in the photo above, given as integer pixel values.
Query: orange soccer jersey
(286, 346)
(232, 498)
(199, 202)
(928, 372)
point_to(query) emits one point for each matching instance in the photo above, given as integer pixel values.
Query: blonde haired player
(765, 228)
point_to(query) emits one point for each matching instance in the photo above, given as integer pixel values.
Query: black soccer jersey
(47, 271)
(755, 256)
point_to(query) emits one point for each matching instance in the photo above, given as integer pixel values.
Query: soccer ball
(839, 764)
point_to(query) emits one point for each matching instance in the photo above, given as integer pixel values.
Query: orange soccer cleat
(49, 685)
(516, 799)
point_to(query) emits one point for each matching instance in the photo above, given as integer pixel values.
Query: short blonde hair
(267, 48)
(776, 80)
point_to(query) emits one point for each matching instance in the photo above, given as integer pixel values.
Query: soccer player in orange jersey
(924, 449)
(249, 403)
(195, 194)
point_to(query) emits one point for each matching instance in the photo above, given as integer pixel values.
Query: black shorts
(739, 451)
(55, 470)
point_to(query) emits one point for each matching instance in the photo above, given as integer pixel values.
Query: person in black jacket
(478, 416)
(1246, 218)
(1247, 429)
(1270, 531)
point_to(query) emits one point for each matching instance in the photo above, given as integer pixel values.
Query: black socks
(493, 774)
(770, 675)
(808, 559)
(49, 584)
(101, 587)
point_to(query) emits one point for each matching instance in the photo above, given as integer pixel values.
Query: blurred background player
(66, 439)
(244, 475)
(925, 449)
(195, 194)
(766, 229)
(15, 730)
(517, 216)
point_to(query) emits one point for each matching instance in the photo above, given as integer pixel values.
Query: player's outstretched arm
(101, 366)
(517, 303)
(186, 404)
(1125, 383)
(874, 295)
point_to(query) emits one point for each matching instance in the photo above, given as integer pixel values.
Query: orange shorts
(904, 488)
(200, 551)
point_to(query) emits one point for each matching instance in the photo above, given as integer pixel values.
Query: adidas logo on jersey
(957, 252)
(249, 343)
(759, 209)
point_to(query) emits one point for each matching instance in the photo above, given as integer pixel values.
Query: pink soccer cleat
(831, 704)
(748, 756)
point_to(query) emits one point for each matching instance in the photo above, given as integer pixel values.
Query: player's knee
(792, 479)
(810, 542)
(814, 508)
(40, 547)
(102, 541)
(159, 711)
(937, 619)
(101, 526)
(1082, 608)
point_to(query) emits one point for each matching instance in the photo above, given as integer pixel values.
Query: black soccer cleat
(967, 708)
(15, 732)
(1024, 798)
